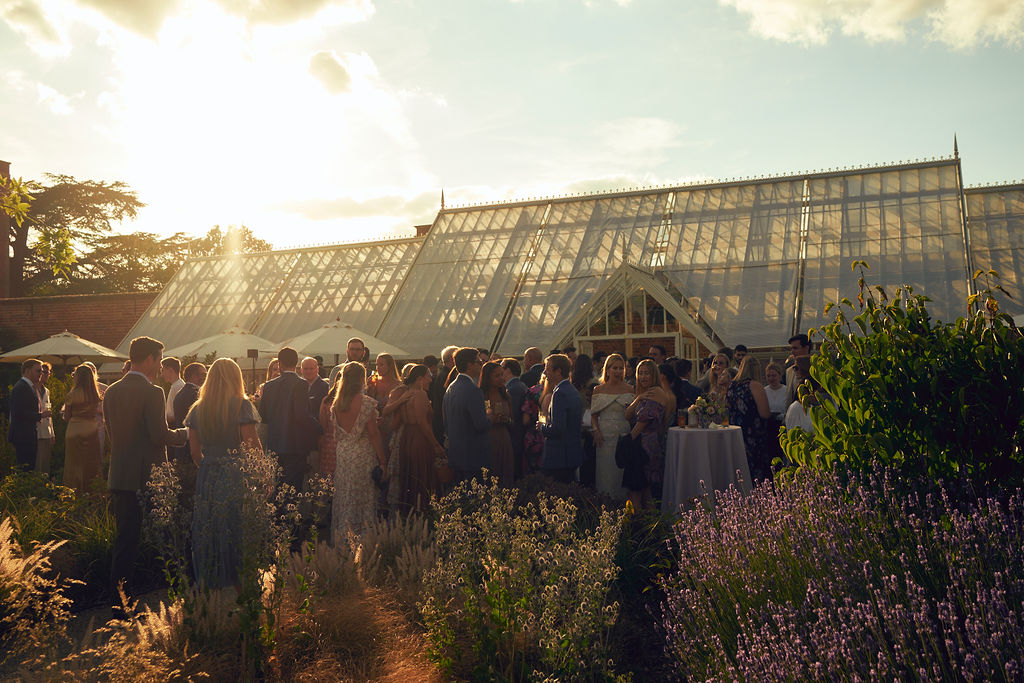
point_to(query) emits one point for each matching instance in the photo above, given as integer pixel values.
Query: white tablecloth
(708, 455)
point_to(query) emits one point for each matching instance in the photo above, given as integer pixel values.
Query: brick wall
(102, 318)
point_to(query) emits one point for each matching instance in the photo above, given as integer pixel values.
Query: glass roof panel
(583, 241)
(907, 237)
(996, 226)
(355, 283)
(460, 286)
(734, 257)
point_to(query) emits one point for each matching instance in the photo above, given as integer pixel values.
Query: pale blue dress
(217, 532)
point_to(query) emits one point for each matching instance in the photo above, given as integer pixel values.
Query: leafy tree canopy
(63, 240)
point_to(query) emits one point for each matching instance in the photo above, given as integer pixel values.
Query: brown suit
(133, 410)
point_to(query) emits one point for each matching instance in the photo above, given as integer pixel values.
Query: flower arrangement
(709, 409)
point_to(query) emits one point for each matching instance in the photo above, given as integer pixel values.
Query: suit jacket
(316, 392)
(563, 438)
(133, 410)
(516, 396)
(531, 377)
(291, 427)
(688, 393)
(184, 400)
(436, 395)
(467, 424)
(24, 412)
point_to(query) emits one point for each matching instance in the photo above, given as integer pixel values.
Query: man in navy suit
(292, 431)
(534, 362)
(25, 414)
(563, 439)
(465, 418)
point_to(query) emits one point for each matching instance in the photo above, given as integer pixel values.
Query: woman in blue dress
(221, 432)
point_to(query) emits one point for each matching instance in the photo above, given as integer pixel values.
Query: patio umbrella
(331, 340)
(62, 348)
(233, 343)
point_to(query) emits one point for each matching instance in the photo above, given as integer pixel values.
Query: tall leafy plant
(941, 399)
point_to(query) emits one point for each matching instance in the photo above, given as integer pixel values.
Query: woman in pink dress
(418, 448)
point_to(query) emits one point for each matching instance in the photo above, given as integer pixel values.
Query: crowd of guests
(391, 438)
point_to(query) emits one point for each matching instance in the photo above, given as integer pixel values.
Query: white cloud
(961, 24)
(44, 33)
(287, 11)
(639, 135)
(48, 97)
(327, 68)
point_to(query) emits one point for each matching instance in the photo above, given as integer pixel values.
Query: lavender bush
(821, 579)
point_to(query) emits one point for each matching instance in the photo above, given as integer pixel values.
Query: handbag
(625, 451)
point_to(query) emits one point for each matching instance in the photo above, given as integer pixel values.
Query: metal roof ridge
(308, 247)
(700, 184)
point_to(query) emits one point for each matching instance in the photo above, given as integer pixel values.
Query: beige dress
(610, 410)
(355, 495)
(81, 442)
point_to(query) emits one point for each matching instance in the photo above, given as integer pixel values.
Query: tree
(136, 262)
(235, 239)
(15, 198)
(65, 216)
(142, 261)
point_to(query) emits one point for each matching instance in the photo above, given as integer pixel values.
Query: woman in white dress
(359, 450)
(608, 418)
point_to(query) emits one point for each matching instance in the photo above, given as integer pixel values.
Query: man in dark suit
(563, 438)
(194, 376)
(133, 410)
(437, 388)
(292, 431)
(25, 414)
(465, 418)
(516, 396)
(309, 368)
(534, 361)
(687, 391)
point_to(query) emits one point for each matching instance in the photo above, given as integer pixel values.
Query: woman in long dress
(360, 449)
(646, 415)
(221, 433)
(82, 438)
(503, 458)
(608, 419)
(418, 448)
(748, 409)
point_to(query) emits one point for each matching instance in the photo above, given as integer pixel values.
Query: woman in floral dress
(749, 410)
(646, 415)
(359, 450)
(222, 433)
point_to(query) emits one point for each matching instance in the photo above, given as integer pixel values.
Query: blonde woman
(359, 450)
(608, 419)
(775, 390)
(646, 414)
(82, 438)
(221, 432)
(748, 409)
(385, 379)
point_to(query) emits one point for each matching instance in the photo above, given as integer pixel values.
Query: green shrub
(924, 397)
(519, 591)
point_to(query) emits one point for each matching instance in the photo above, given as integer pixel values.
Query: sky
(325, 121)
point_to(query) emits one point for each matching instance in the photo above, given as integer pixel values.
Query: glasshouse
(749, 261)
